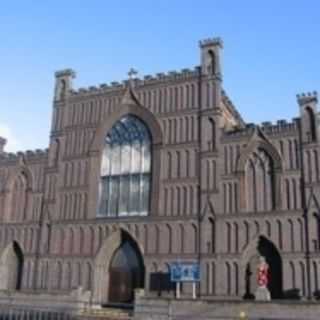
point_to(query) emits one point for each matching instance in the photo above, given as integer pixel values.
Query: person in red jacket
(262, 292)
(263, 273)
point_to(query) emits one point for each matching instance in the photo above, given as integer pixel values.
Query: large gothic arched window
(126, 169)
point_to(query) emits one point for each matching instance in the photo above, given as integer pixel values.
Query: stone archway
(126, 272)
(119, 269)
(11, 267)
(261, 246)
(267, 249)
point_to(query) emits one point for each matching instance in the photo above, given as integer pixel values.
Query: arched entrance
(119, 269)
(267, 249)
(126, 273)
(11, 267)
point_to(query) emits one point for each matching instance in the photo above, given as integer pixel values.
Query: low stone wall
(76, 300)
(44, 306)
(147, 308)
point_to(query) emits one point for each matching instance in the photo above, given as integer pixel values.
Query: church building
(159, 169)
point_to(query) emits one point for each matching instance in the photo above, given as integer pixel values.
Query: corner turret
(63, 84)
(308, 104)
(210, 56)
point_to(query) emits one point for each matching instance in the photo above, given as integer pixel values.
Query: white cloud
(13, 144)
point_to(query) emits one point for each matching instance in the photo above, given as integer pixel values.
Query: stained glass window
(126, 170)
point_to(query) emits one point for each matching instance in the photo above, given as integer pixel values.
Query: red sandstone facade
(222, 191)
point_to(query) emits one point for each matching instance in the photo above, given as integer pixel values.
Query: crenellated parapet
(11, 158)
(211, 42)
(309, 97)
(281, 127)
(139, 83)
(65, 73)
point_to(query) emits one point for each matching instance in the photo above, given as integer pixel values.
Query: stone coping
(222, 300)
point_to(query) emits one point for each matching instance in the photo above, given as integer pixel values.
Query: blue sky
(271, 52)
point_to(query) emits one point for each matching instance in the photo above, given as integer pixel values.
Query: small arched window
(126, 169)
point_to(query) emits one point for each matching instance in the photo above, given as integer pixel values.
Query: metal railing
(11, 312)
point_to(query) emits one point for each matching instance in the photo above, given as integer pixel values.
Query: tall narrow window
(290, 154)
(288, 193)
(126, 169)
(212, 136)
(311, 125)
(317, 223)
(228, 271)
(212, 235)
(229, 232)
(212, 62)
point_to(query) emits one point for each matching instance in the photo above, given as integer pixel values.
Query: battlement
(65, 73)
(29, 155)
(211, 42)
(147, 80)
(281, 127)
(308, 97)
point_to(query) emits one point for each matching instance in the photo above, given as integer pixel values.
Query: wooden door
(120, 290)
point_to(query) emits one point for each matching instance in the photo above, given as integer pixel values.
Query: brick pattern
(243, 179)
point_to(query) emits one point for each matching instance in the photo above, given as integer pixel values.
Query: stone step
(107, 314)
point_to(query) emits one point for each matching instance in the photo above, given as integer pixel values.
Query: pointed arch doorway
(126, 273)
(268, 250)
(262, 246)
(119, 269)
(11, 267)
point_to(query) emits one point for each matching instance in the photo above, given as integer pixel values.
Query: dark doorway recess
(126, 272)
(268, 250)
(17, 266)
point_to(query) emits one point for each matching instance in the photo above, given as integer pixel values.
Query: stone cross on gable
(132, 72)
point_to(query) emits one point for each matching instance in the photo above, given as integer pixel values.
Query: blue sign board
(184, 272)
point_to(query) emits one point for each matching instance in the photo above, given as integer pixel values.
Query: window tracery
(126, 169)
